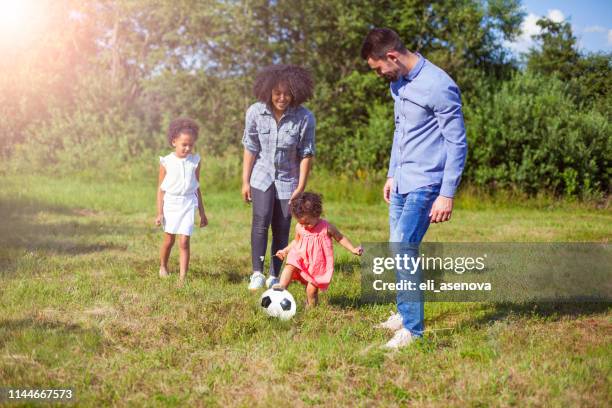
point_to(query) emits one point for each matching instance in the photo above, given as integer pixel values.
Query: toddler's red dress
(313, 255)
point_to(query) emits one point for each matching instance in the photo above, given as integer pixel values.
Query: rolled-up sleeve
(306, 145)
(250, 138)
(450, 120)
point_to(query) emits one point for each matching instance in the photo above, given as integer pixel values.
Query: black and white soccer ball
(278, 303)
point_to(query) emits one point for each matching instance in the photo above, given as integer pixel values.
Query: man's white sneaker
(394, 322)
(402, 338)
(257, 281)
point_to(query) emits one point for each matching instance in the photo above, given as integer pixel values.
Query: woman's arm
(344, 241)
(252, 147)
(305, 166)
(160, 195)
(305, 150)
(248, 161)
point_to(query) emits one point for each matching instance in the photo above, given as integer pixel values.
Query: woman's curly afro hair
(298, 80)
(182, 125)
(307, 204)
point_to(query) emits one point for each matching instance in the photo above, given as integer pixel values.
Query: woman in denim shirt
(279, 144)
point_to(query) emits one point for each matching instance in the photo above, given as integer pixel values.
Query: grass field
(81, 306)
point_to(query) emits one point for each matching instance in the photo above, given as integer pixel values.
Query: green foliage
(557, 53)
(588, 76)
(110, 75)
(83, 141)
(592, 86)
(530, 135)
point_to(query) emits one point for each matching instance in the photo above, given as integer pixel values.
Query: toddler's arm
(344, 241)
(282, 253)
(160, 196)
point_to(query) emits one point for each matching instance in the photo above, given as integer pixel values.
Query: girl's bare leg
(183, 257)
(312, 295)
(285, 278)
(164, 254)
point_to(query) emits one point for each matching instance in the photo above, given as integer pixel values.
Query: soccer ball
(278, 303)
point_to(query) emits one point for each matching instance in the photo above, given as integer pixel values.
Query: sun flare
(20, 20)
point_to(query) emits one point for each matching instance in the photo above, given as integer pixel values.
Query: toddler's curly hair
(298, 80)
(307, 204)
(182, 125)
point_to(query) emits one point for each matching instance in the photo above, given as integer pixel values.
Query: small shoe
(257, 281)
(163, 273)
(394, 322)
(271, 281)
(402, 338)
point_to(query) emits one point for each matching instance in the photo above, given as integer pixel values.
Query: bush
(532, 136)
(105, 143)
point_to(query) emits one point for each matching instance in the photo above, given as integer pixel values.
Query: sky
(591, 22)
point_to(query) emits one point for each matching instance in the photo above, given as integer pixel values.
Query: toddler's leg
(164, 254)
(183, 256)
(285, 278)
(312, 295)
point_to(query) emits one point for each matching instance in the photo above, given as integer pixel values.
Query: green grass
(81, 306)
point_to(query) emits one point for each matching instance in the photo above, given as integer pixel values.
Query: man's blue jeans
(408, 222)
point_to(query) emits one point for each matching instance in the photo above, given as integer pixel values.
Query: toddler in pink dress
(310, 256)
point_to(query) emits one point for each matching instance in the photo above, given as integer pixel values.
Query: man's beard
(390, 77)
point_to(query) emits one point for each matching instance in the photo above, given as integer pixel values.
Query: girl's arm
(160, 195)
(203, 219)
(344, 241)
(282, 253)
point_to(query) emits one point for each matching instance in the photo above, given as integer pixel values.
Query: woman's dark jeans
(268, 209)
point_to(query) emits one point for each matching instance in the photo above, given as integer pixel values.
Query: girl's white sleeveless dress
(180, 197)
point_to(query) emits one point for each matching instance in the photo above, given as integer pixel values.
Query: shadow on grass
(348, 301)
(226, 269)
(20, 231)
(542, 310)
(552, 310)
(65, 231)
(48, 342)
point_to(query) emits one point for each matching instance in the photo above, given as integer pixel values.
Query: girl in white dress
(178, 194)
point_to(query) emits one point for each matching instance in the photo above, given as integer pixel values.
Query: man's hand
(159, 219)
(387, 190)
(246, 192)
(441, 209)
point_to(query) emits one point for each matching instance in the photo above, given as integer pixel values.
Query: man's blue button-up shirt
(429, 144)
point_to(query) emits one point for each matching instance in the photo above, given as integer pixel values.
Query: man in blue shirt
(427, 158)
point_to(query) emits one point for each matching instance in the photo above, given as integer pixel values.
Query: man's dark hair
(379, 42)
(307, 204)
(298, 80)
(182, 125)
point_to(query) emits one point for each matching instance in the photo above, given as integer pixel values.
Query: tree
(556, 53)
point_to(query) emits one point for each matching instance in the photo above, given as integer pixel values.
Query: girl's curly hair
(182, 125)
(307, 204)
(298, 80)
